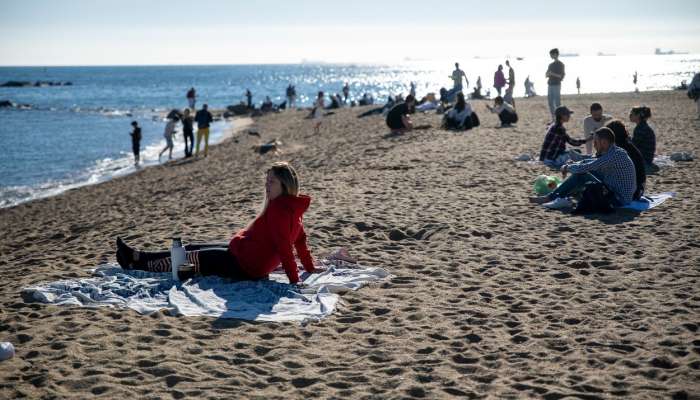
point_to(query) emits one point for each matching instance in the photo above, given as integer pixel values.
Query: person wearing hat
(553, 152)
(555, 74)
(612, 167)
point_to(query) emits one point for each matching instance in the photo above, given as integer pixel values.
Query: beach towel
(649, 202)
(264, 300)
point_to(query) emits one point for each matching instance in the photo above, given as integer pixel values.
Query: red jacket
(261, 247)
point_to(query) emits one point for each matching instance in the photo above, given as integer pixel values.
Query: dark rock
(238, 109)
(16, 84)
(6, 103)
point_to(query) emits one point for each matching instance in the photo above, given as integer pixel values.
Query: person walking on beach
(168, 135)
(457, 76)
(136, 141)
(499, 80)
(255, 251)
(188, 132)
(191, 98)
(317, 112)
(249, 98)
(555, 74)
(578, 85)
(346, 92)
(634, 79)
(203, 118)
(593, 122)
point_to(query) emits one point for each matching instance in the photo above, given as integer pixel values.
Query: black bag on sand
(475, 120)
(596, 199)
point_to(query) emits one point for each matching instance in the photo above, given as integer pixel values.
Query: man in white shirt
(594, 122)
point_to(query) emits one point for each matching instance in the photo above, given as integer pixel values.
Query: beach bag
(596, 199)
(474, 120)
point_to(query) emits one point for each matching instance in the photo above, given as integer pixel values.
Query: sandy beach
(490, 297)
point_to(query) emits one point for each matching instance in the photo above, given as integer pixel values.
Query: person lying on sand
(553, 153)
(254, 251)
(397, 119)
(613, 167)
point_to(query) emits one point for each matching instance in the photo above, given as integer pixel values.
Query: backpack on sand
(596, 198)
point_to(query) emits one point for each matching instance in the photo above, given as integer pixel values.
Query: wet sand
(491, 297)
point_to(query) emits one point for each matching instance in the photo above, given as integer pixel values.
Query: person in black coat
(622, 140)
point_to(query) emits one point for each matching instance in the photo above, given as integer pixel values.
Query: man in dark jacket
(203, 118)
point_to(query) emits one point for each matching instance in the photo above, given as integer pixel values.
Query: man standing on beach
(191, 98)
(457, 76)
(249, 97)
(203, 118)
(555, 74)
(346, 92)
(188, 132)
(511, 75)
(136, 141)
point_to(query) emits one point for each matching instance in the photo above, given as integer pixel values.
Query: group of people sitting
(457, 116)
(621, 162)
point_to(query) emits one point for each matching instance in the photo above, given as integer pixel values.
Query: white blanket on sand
(648, 202)
(267, 300)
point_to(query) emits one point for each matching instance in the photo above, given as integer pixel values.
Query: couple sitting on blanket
(254, 251)
(618, 165)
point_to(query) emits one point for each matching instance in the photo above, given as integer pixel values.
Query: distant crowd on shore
(458, 113)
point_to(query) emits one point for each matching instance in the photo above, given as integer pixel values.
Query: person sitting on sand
(397, 119)
(460, 116)
(267, 105)
(168, 135)
(553, 153)
(643, 136)
(623, 141)
(593, 122)
(506, 112)
(254, 251)
(529, 88)
(613, 167)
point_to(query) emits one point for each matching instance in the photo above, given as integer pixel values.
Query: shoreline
(232, 126)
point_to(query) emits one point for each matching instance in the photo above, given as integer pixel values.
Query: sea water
(79, 134)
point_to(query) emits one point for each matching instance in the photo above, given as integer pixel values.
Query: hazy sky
(132, 32)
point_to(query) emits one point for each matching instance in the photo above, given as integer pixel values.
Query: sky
(157, 32)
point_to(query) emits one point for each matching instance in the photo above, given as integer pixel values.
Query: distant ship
(660, 52)
(601, 54)
(568, 55)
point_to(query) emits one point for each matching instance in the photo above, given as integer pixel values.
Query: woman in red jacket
(254, 251)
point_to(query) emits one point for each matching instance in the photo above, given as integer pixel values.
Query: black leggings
(207, 259)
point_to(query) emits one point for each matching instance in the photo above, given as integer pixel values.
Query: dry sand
(491, 297)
